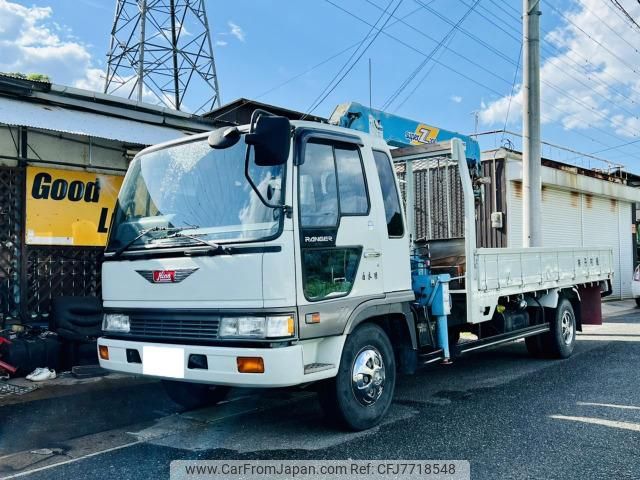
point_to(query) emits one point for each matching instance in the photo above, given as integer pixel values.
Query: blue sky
(591, 91)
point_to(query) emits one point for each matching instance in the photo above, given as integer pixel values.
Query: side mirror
(271, 139)
(224, 137)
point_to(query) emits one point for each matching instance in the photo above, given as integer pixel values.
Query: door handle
(372, 254)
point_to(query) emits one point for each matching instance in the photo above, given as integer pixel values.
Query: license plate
(163, 361)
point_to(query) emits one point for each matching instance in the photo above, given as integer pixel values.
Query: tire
(560, 340)
(367, 349)
(194, 395)
(638, 301)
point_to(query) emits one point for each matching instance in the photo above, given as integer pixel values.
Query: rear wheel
(194, 395)
(360, 395)
(560, 340)
(638, 301)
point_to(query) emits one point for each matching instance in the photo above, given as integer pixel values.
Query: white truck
(278, 254)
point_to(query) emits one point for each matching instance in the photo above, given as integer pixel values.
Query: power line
(426, 60)
(621, 60)
(424, 77)
(611, 29)
(474, 37)
(625, 13)
(458, 53)
(420, 52)
(619, 15)
(348, 61)
(579, 101)
(475, 81)
(598, 113)
(565, 59)
(546, 47)
(319, 64)
(353, 64)
(513, 86)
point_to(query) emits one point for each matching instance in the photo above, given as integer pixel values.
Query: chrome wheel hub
(368, 376)
(566, 324)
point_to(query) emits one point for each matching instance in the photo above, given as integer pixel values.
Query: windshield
(200, 191)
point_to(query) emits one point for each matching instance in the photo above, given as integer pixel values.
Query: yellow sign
(423, 134)
(67, 207)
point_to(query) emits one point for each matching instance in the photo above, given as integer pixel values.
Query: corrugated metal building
(72, 134)
(580, 207)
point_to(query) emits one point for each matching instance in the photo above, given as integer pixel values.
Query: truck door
(339, 245)
(394, 237)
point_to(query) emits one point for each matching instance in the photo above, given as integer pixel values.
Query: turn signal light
(312, 318)
(250, 364)
(104, 352)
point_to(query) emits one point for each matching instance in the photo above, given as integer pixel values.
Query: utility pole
(531, 162)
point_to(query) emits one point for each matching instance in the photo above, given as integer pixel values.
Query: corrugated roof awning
(49, 117)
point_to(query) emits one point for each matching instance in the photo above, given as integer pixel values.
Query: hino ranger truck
(330, 255)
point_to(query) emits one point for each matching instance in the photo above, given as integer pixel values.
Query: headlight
(280, 326)
(257, 327)
(115, 322)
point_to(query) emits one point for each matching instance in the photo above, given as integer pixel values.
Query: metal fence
(438, 206)
(31, 276)
(11, 181)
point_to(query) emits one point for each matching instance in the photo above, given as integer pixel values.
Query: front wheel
(638, 301)
(360, 395)
(194, 395)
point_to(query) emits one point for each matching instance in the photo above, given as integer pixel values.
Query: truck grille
(188, 326)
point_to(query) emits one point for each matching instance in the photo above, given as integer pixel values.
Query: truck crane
(286, 253)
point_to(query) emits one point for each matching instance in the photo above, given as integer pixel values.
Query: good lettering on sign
(45, 187)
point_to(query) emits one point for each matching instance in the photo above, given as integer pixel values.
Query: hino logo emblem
(166, 276)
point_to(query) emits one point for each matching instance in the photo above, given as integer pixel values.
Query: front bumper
(283, 366)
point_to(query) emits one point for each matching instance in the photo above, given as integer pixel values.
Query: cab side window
(332, 183)
(318, 187)
(390, 199)
(351, 182)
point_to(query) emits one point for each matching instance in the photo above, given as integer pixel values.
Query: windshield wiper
(142, 233)
(216, 247)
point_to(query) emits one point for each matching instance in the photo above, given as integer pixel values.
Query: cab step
(317, 367)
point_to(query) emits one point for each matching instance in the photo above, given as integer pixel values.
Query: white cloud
(236, 31)
(31, 44)
(93, 80)
(606, 95)
(456, 98)
(221, 43)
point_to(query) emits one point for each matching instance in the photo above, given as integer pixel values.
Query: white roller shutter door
(576, 219)
(561, 220)
(601, 229)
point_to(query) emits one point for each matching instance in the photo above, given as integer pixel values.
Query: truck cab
(221, 271)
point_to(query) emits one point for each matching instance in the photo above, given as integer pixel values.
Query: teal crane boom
(398, 131)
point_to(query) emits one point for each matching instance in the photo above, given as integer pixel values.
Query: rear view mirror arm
(285, 208)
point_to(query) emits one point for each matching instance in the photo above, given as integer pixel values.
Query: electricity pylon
(161, 51)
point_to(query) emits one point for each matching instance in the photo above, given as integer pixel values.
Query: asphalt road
(509, 415)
